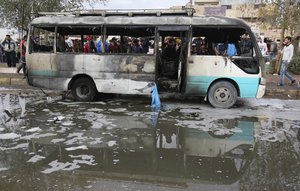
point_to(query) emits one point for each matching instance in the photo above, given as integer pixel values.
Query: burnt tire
(84, 89)
(222, 94)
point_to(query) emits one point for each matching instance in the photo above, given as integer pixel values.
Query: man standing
(69, 43)
(262, 46)
(10, 51)
(23, 54)
(287, 54)
(246, 46)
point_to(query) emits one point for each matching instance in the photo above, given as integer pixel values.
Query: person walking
(23, 53)
(287, 55)
(10, 51)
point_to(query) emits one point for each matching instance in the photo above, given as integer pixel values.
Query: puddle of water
(74, 146)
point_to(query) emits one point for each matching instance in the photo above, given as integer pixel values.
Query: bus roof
(147, 18)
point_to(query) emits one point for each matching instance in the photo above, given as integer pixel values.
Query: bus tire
(222, 94)
(84, 89)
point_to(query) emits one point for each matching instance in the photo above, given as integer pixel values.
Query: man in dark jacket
(10, 51)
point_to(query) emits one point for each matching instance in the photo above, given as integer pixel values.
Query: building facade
(247, 10)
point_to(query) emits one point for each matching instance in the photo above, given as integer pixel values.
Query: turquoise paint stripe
(198, 85)
(246, 134)
(46, 73)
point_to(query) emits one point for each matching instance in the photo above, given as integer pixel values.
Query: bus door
(40, 55)
(171, 57)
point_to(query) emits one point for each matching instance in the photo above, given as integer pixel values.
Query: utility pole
(22, 22)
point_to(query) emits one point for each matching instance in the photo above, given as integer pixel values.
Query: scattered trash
(8, 113)
(49, 99)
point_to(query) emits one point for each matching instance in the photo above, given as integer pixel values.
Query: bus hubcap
(83, 91)
(222, 95)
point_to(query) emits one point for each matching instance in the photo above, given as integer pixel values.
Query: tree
(18, 13)
(283, 14)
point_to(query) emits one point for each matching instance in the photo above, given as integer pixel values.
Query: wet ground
(47, 143)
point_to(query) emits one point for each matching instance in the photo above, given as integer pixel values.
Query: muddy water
(122, 144)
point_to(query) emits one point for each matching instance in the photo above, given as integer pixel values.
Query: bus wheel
(83, 89)
(222, 94)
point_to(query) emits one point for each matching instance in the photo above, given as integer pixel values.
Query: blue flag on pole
(155, 98)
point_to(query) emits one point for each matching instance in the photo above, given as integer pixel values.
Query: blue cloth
(154, 116)
(99, 46)
(231, 50)
(155, 105)
(155, 97)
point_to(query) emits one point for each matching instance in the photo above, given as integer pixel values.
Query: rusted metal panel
(40, 61)
(128, 74)
(94, 64)
(136, 20)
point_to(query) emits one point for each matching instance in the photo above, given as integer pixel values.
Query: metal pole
(22, 22)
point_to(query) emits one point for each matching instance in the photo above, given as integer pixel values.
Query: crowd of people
(93, 44)
(243, 47)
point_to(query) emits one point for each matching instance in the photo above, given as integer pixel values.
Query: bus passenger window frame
(123, 33)
(80, 34)
(229, 34)
(35, 43)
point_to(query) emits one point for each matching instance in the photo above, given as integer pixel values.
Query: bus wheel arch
(223, 93)
(83, 88)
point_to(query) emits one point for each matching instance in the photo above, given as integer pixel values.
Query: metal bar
(128, 12)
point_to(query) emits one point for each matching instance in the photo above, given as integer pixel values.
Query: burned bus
(127, 52)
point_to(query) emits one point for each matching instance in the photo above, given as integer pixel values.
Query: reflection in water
(12, 111)
(116, 140)
(165, 154)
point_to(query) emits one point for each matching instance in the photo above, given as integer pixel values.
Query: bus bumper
(261, 88)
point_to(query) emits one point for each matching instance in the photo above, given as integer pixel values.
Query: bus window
(75, 39)
(214, 40)
(130, 40)
(42, 39)
(234, 43)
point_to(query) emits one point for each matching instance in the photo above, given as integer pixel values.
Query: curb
(10, 79)
(292, 92)
(282, 93)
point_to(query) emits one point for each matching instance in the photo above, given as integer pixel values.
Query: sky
(141, 4)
